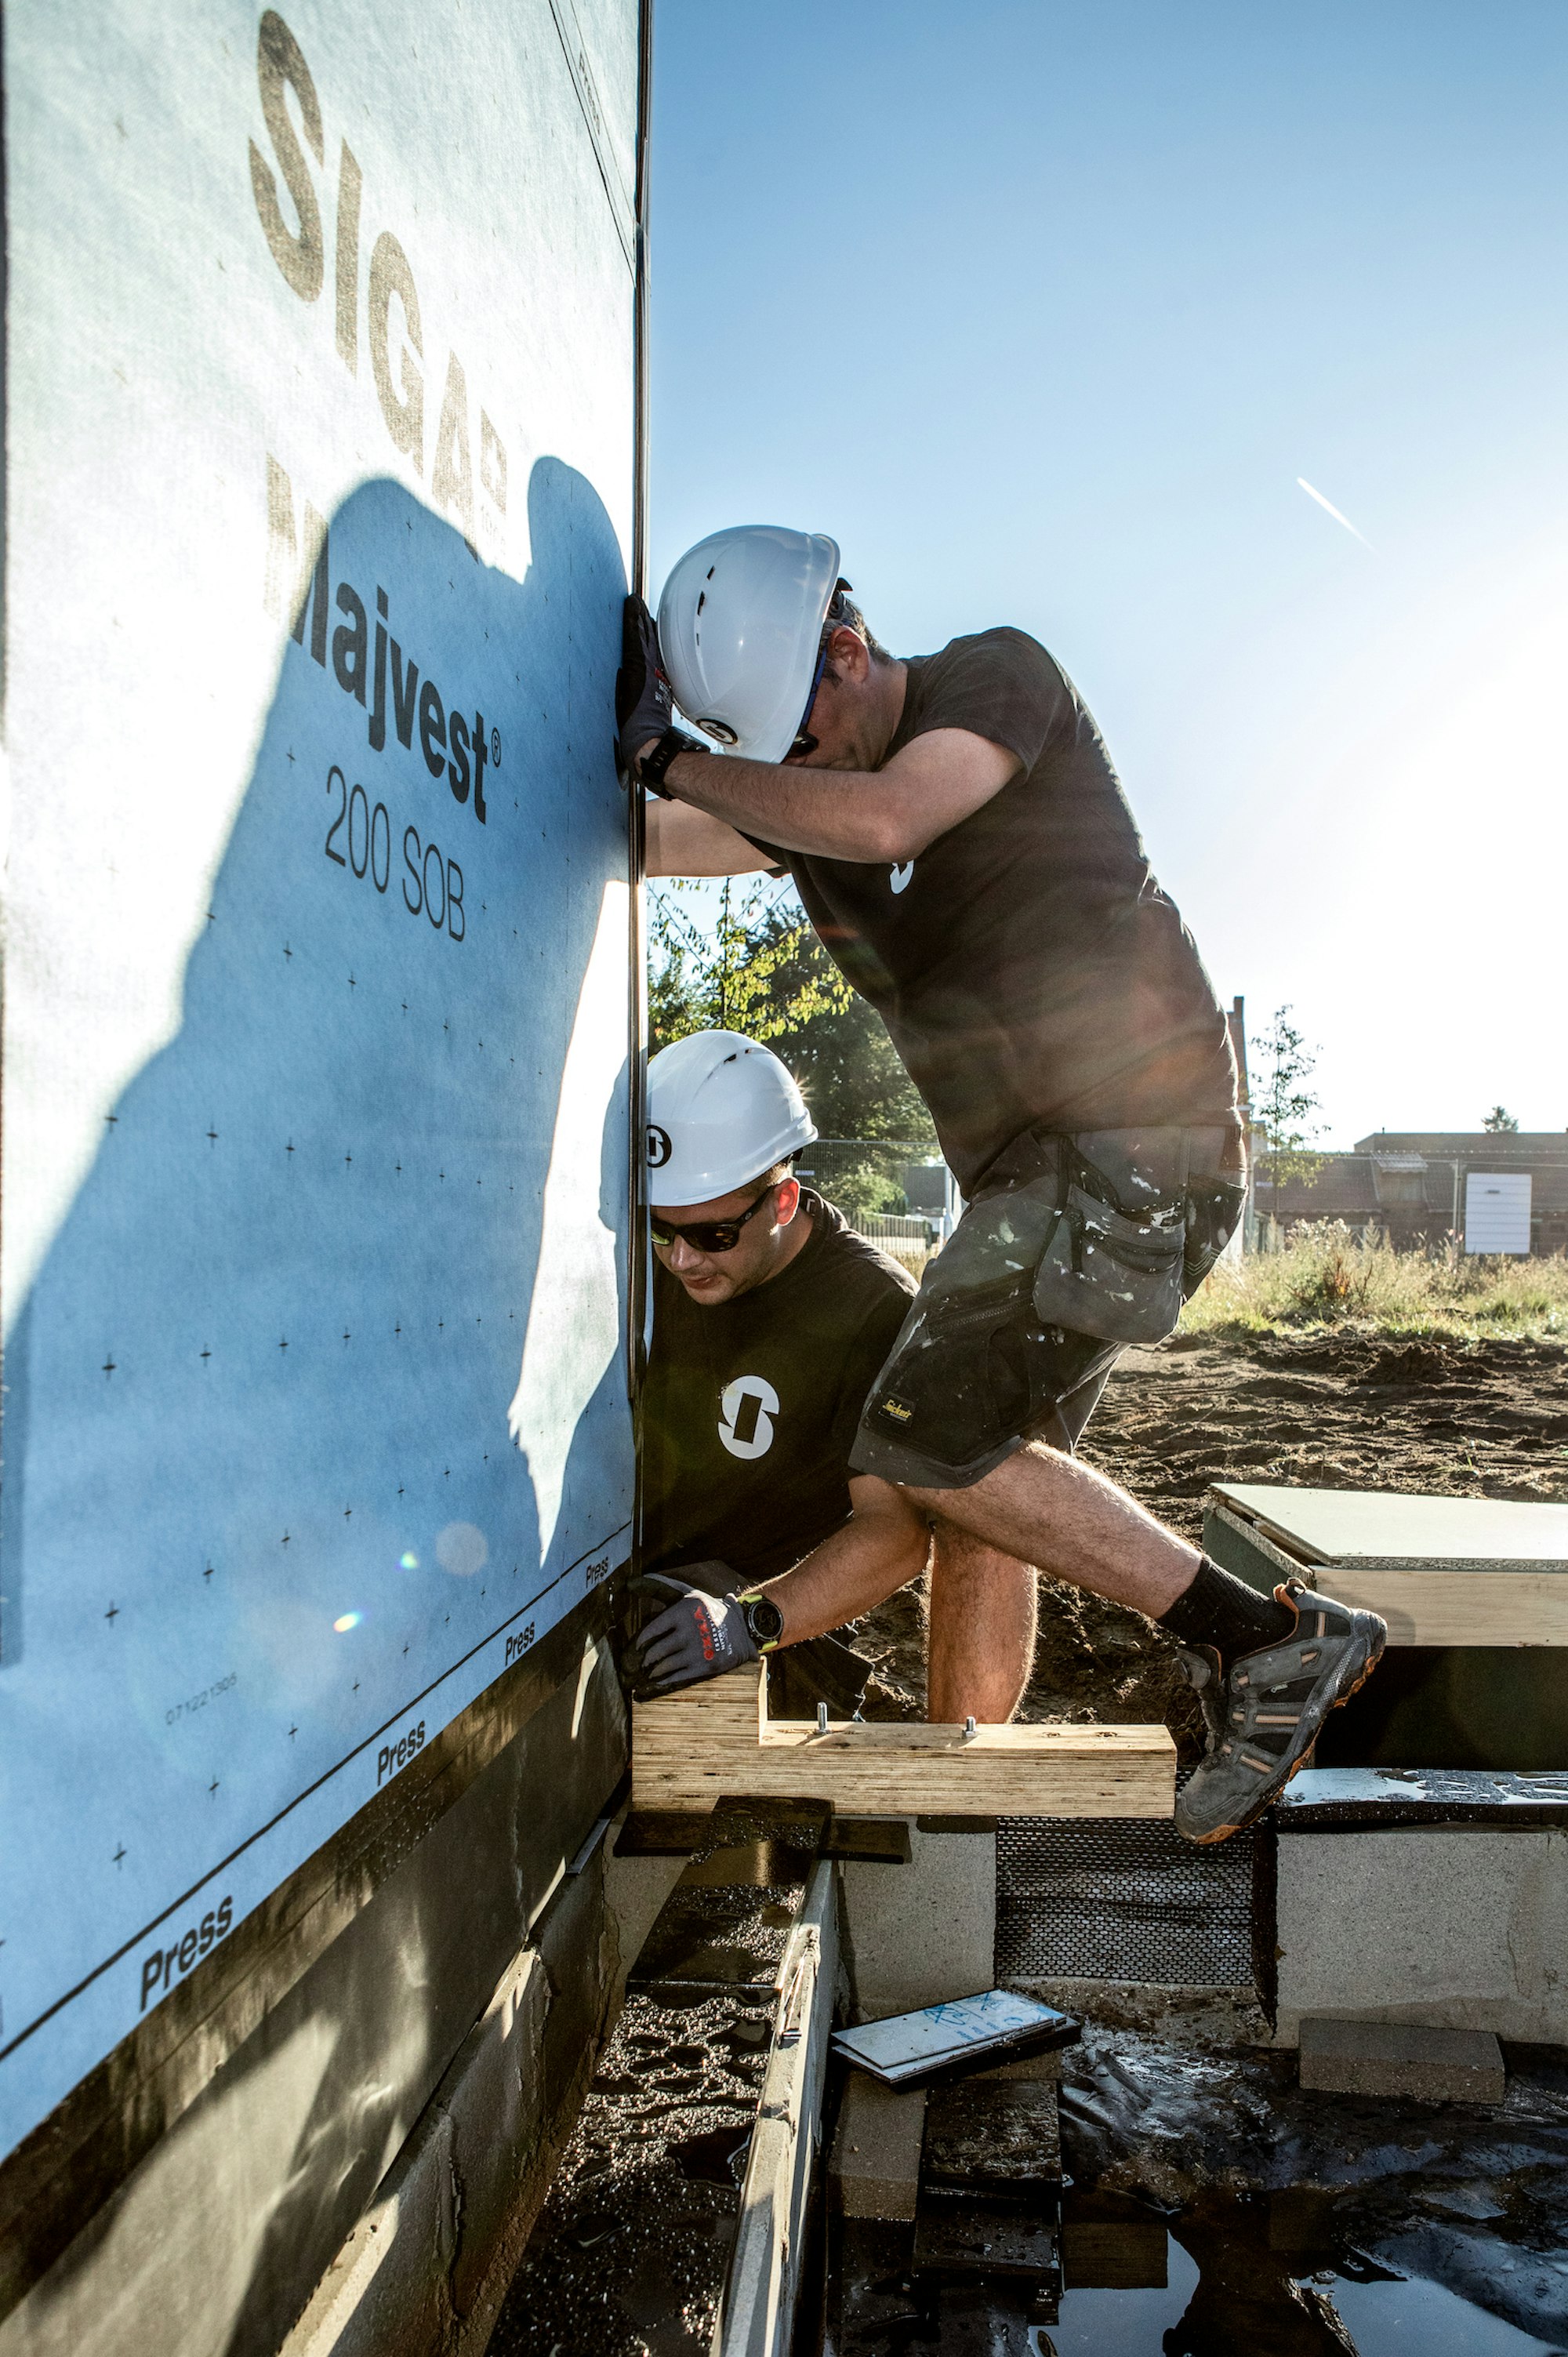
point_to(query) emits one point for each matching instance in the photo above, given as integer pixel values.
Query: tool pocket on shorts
(961, 1379)
(1214, 1209)
(1105, 1272)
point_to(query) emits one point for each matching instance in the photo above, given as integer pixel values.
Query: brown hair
(844, 614)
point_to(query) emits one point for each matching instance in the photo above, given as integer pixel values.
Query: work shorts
(1073, 1248)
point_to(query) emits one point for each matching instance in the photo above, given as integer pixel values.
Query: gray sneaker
(1264, 1717)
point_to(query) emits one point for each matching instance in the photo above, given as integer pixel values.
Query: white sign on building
(1496, 1212)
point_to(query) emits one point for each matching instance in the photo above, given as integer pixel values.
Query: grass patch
(1324, 1277)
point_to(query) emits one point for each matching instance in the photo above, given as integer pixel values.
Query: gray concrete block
(1458, 1928)
(875, 2170)
(635, 1890)
(1399, 2059)
(921, 1933)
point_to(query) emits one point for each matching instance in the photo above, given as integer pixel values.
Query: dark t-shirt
(1028, 966)
(751, 1406)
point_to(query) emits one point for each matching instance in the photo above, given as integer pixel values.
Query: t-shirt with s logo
(746, 1410)
(751, 1406)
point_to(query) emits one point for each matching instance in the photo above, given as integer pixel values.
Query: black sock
(1221, 1611)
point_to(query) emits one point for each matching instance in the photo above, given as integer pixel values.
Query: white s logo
(900, 874)
(745, 1415)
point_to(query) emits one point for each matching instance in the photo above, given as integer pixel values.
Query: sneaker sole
(1271, 1791)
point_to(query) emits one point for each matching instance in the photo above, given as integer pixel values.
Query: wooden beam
(1430, 1603)
(690, 1749)
(1434, 1607)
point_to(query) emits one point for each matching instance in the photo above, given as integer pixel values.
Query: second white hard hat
(740, 623)
(721, 1111)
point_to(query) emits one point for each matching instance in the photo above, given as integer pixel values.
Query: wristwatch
(653, 766)
(764, 1620)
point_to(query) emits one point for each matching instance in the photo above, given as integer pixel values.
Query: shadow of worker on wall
(262, 1384)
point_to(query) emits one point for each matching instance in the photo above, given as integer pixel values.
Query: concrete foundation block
(918, 1934)
(1387, 2058)
(1453, 1927)
(875, 2170)
(635, 1890)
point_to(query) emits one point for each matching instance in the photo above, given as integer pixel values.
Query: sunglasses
(838, 613)
(707, 1236)
(804, 742)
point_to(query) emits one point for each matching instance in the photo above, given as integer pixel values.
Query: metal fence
(828, 1161)
(896, 1191)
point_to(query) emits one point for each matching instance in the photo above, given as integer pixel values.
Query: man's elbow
(895, 835)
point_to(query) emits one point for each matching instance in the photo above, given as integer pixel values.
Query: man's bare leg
(981, 1634)
(1041, 1506)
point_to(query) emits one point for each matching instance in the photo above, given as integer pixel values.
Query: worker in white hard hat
(963, 847)
(771, 1317)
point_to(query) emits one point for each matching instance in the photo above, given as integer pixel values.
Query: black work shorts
(974, 1374)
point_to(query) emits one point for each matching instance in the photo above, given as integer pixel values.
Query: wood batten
(690, 1749)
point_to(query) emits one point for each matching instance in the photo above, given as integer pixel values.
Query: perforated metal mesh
(1122, 1900)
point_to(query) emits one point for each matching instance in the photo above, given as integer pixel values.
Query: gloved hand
(644, 707)
(696, 1636)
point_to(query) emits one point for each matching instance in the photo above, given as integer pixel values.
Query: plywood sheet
(1398, 1527)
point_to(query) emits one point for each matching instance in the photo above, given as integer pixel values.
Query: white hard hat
(739, 626)
(721, 1111)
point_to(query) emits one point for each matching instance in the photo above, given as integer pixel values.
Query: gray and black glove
(644, 707)
(696, 1636)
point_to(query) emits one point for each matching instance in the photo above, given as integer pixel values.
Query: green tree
(1500, 1119)
(760, 969)
(1282, 1104)
(837, 1046)
(740, 973)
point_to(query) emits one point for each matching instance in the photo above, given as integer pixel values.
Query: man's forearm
(838, 813)
(858, 1566)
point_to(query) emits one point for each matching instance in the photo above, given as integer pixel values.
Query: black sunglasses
(837, 617)
(803, 741)
(706, 1235)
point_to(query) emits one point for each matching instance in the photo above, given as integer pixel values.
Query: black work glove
(644, 707)
(696, 1636)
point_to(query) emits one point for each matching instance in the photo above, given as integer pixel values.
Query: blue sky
(1042, 311)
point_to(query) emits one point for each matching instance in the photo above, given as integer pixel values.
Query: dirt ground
(1351, 1410)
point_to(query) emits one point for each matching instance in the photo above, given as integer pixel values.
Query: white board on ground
(320, 506)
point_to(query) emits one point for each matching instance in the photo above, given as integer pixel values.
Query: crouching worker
(772, 1318)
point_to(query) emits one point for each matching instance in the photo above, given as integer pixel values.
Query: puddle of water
(1384, 2319)
(1125, 2323)
(1398, 2319)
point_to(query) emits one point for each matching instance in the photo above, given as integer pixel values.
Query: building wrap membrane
(319, 514)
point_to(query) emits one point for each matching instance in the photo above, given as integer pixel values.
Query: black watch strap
(764, 1620)
(653, 765)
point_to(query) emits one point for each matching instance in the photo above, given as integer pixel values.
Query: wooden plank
(735, 1704)
(758, 2306)
(1455, 1608)
(1423, 1604)
(690, 1748)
